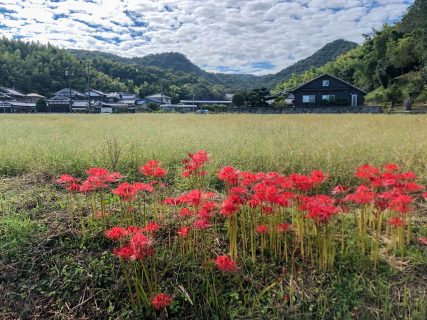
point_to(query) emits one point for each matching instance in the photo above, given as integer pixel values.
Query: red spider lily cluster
(262, 216)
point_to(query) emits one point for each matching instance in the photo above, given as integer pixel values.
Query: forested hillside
(387, 56)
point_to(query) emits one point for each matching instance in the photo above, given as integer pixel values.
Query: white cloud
(228, 34)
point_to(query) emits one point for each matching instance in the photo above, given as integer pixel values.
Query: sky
(231, 36)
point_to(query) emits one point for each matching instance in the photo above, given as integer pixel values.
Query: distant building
(326, 90)
(205, 102)
(95, 95)
(160, 98)
(11, 94)
(34, 97)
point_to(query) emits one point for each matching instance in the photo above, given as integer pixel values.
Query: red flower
(225, 264)
(422, 241)
(367, 172)
(125, 191)
(284, 227)
(339, 189)
(194, 163)
(151, 227)
(321, 208)
(229, 175)
(202, 224)
(262, 229)
(391, 167)
(185, 212)
(396, 222)
(153, 169)
(161, 301)
(183, 232)
(116, 233)
(66, 179)
(362, 196)
(139, 186)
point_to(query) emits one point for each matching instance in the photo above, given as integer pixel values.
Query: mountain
(180, 63)
(321, 57)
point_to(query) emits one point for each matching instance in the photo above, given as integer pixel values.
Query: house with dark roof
(326, 91)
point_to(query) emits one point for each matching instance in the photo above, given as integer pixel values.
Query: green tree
(417, 84)
(41, 105)
(238, 99)
(393, 95)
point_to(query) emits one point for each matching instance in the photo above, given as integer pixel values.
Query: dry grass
(335, 143)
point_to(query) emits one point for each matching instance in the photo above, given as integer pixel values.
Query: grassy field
(52, 144)
(54, 266)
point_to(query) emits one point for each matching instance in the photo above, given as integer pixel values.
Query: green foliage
(393, 95)
(238, 99)
(257, 98)
(417, 84)
(41, 105)
(153, 106)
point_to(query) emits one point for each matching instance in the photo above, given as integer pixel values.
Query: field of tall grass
(52, 144)
(327, 236)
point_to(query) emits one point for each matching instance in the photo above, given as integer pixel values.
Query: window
(328, 97)
(326, 83)
(309, 99)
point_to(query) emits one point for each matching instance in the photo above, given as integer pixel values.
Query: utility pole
(67, 73)
(88, 85)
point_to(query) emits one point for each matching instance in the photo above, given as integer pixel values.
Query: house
(95, 95)
(12, 94)
(67, 92)
(63, 99)
(59, 104)
(160, 98)
(34, 97)
(326, 90)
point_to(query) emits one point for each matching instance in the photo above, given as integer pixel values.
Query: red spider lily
(262, 229)
(141, 245)
(194, 163)
(183, 232)
(302, 183)
(391, 167)
(69, 183)
(161, 301)
(66, 179)
(284, 227)
(185, 212)
(153, 169)
(318, 177)
(229, 207)
(229, 175)
(172, 201)
(339, 189)
(226, 264)
(139, 186)
(202, 224)
(401, 203)
(422, 241)
(99, 178)
(125, 191)
(116, 233)
(320, 208)
(104, 174)
(151, 227)
(425, 195)
(367, 172)
(362, 196)
(125, 253)
(410, 187)
(133, 229)
(396, 222)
